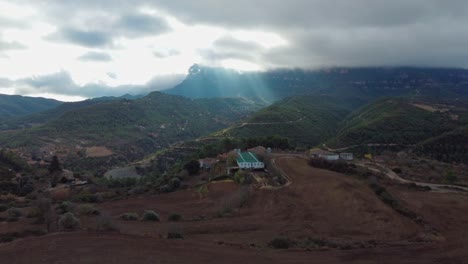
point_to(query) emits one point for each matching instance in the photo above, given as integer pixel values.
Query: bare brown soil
(98, 151)
(320, 205)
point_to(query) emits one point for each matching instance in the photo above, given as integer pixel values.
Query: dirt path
(392, 175)
(283, 174)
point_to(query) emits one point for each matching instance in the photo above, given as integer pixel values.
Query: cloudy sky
(72, 50)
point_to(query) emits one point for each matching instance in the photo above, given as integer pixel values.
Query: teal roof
(247, 157)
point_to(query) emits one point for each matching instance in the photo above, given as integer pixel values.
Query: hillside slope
(305, 120)
(129, 128)
(34, 119)
(395, 121)
(16, 105)
(448, 147)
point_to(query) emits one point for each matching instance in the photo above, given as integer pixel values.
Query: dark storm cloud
(342, 33)
(320, 32)
(134, 25)
(62, 83)
(95, 56)
(92, 25)
(87, 38)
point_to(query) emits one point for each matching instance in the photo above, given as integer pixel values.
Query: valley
(354, 166)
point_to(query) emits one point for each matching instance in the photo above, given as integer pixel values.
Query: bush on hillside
(193, 167)
(174, 217)
(65, 207)
(129, 216)
(151, 216)
(68, 222)
(87, 209)
(280, 243)
(14, 212)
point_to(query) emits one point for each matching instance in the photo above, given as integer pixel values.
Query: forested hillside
(395, 121)
(305, 120)
(16, 105)
(130, 128)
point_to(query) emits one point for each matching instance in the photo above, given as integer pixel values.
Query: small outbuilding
(207, 163)
(346, 156)
(323, 154)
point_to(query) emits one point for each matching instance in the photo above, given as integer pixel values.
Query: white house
(346, 156)
(323, 154)
(248, 160)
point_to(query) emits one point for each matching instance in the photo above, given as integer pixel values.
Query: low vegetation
(87, 209)
(129, 216)
(68, 222)
(174, 217)
(280, 243)
(150, 216)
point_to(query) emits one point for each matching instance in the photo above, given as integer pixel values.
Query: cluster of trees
(228, 144)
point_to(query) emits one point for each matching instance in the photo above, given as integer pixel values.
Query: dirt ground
(319, 205)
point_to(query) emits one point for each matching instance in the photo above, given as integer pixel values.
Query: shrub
(86, 197)
(174, 217)
(450, 177)
(150, 216)
(242, 177)
(3, 208)
(166, 188)
(193, 167)
(280, 243)
(34, 212)
(87, 209)
(14, 212)
(68, 222)
(129, 216)
(65, 207)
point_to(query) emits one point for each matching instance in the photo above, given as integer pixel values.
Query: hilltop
(362, 84)
(17, 105)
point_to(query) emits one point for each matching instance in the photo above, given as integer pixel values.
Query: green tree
(193, 167)
(55, 165)
(450, 177)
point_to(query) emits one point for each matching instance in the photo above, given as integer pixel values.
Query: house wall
(346, 156)
(330, 157)
(251, 165)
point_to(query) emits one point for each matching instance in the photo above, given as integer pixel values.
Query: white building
(323, 154)
(248, 160)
